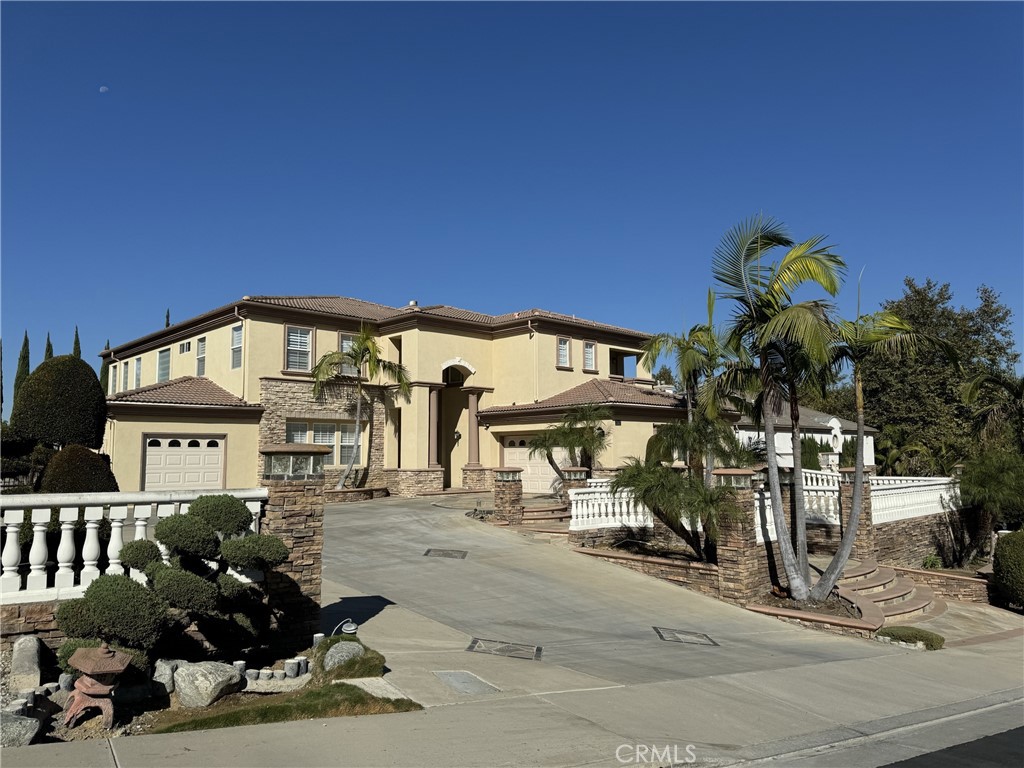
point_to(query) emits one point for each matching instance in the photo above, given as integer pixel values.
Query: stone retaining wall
(339, 496)
(951, 586)
(477, 479)
(700, 577)
(407, 483)
(36, 619)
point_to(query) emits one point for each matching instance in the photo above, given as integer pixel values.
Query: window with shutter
(345, 345)
(589, 356)
(201, 356)
(299, 344)
(563, 352)
(163, 365)
(236, 347)
(348, 443)
(323, 434)
(296, 432)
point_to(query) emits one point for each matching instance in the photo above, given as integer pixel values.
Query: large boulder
(341, 652)
(163, 674)
(17, 730)
(25, 674)
(201, 684)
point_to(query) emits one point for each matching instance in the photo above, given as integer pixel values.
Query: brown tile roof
(187, 390)
(596, 392)
(329, 305)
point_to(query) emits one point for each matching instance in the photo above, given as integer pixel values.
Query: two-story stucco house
(191, 405)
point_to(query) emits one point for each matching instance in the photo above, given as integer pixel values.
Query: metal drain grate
(683, 636)
(452, 554)
(501, 648)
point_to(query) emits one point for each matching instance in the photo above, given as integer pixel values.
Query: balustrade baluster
(164, 510)
(91, 549)
(10, 581)
(117, 517)
(65, 576)
(38, 553)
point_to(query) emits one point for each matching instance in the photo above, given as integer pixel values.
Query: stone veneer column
(294, 512)
(508, 494)
(575, 477)
(864, 546)
(740, 571)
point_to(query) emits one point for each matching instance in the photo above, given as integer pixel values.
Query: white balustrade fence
(821, 496)
(596, 507)
(920, 497)
(132, 516)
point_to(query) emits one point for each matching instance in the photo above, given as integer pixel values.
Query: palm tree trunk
(828, 579)
(799, 510)
(355, 448)
(797, 584)
(554, 465)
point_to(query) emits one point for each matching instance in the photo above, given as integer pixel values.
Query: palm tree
(702, 436)
(363, 356)
(881, 333)
(582, 434)
(544, 443)
(766, 321)
(1008, 409)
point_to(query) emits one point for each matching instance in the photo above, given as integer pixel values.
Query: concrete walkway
(607, 689)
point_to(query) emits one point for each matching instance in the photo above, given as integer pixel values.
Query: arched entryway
(455, 441)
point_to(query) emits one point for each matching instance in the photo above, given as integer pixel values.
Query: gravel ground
(5, 676)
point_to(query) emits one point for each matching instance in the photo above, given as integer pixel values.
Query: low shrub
(1008, 567)
(182, 589)
(224, 513)
(125, 611)
(932, 562)
(76, 469)
(75, 619)
(153, 569)
(261, 552)
(138, 554)
(188, 535)
(932, 641)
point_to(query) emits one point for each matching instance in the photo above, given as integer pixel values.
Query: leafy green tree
(999, 405)
(923, 396)
(48, 352)
(766, 321)
(23, 367)
(61, 403)
(167, 318)
(664, 376)
(76, 348)
(544, 444)
(993, 483)
(362, 356)
(810, 448)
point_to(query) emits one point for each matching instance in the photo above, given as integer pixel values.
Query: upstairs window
(185, 346)
(298, 348)
(113, 378)
(163, 365)
(201, 356)
(563, 352)
(236, 347)
(345, 343)
(124, 377)
(589, 356)
(138, 372)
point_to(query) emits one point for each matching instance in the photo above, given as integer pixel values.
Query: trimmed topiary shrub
(1008, 567)
(189, 536)
(76, 469)
(183, 589)
(125, 611)
(153, 569)
(76, 620)
(224, 513)
(260, 552)
(61, 403)
(932, 641)
(138, 554)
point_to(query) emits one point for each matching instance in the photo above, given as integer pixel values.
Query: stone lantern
(100, 668)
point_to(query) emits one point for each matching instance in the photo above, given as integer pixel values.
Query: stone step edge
(880, 580)
(816, 618)
(901, 589)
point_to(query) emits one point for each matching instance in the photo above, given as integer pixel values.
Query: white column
(10, 581)
(37, 554)
(91, 549)
(65, 576)
(117, 518)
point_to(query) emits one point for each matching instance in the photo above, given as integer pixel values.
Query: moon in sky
(103, 89)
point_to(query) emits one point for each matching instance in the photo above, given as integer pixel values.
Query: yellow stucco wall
(125, 439)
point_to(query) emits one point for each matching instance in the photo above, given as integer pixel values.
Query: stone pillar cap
(732, 471)
(507, 469)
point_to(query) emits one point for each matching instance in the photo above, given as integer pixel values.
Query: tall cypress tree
(48, 352)
(23, 367)
(105, 370)
(76, 350)
(167, 318)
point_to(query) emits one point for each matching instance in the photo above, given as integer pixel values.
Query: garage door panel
(538, 476)
(182, 466)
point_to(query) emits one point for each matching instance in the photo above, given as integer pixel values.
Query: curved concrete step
(552, 509)
(529, 515)
(881, 579)
(910, 609)
(900, 590)
(855, 571)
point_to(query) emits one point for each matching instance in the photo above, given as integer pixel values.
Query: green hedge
(932, 641)
(60, 403)
(76, 469)
(75, 619)
(260, 552)
(224, 513)
(1008, 567)
(188, 535)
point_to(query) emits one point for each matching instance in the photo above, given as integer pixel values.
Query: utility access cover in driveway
(683, 636)
(501, 648)
(453, 554)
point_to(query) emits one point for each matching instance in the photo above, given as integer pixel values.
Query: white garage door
(538, 476)
(184, 463)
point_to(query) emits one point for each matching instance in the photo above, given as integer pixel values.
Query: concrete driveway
(589, 616)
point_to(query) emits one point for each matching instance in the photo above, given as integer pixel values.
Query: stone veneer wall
(909, 542)
(286, 400)
(36, 619)
(413, 482)
(698, 576)
(295, 513)
(477, 479)
(952, 586)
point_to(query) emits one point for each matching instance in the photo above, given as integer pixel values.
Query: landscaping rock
(163, 673)
(16, 730)
(201, 684)
(67, 682)
(341, 652)
(25, 675)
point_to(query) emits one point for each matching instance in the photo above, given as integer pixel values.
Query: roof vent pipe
(414, 303)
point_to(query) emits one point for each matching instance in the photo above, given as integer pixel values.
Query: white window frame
(561, 362)
(201, 356)
(163, 360)
(113, 373)
(345, 342)
(296, 432)
(347, 442)
(236, 346)
(325, 433)
(185, 346)
(342, 439)
(138, 372)
(298, 349)
(590, 351)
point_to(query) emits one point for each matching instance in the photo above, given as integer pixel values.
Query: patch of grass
(370, 664)
(331, 700)
(932, 641)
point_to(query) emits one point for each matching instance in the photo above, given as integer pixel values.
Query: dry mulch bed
(833, 606)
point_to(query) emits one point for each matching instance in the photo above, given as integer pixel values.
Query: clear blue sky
(583, 158)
